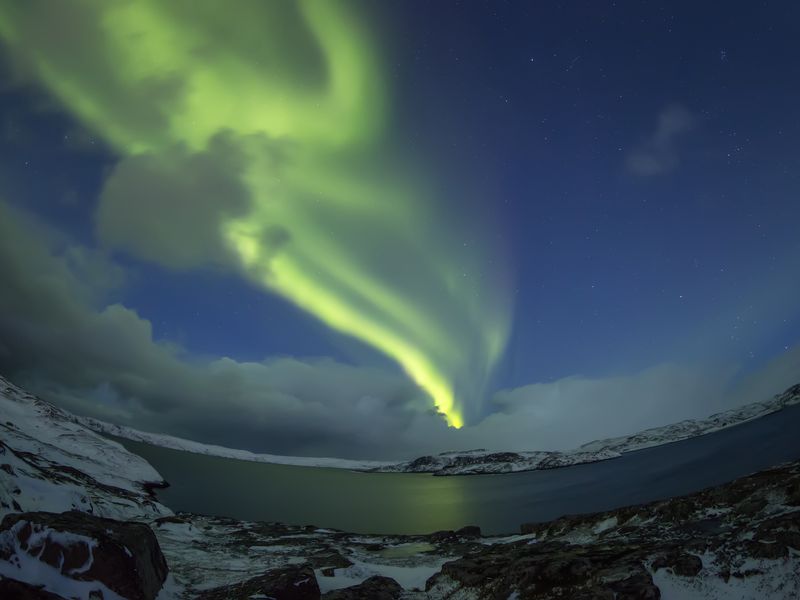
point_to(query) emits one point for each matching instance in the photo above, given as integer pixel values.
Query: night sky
(338, 228)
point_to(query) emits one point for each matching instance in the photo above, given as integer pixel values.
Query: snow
(409, 577)
(605, 525)
(54, 464)
(777, 580)
(42, 429)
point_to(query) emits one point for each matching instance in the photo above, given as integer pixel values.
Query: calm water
(411, 503)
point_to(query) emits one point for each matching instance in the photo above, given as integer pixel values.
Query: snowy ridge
(176, 443)
(692, 428)
(474, 462)
(479, 461)
(50, 462)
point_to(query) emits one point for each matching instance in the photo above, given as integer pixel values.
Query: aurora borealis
(364, 254)
(377, 230)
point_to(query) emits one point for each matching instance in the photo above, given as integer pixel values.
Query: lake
(406, 503)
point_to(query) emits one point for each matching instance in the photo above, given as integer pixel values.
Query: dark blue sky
(642, 160)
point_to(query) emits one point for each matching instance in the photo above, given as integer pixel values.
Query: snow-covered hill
(51, 463)
(176, 443)
(692, 428)
(480, 461)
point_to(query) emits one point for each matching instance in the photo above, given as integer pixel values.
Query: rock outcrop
(79, 551)
(374, 588)
(288, 583)
(740, 530)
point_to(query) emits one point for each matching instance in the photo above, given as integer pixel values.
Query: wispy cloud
(659, 152)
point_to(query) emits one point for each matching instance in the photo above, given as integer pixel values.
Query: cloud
(167, 208)
(659, 153)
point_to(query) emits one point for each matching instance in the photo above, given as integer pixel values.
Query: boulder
(374, 588)
(123, 556)
(442, 536)
(293, 582)
(10, 588)
(469, 531)
(681, 563)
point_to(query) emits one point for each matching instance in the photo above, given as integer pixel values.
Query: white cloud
(58, 338)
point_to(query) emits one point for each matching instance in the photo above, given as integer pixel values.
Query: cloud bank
(60, 336)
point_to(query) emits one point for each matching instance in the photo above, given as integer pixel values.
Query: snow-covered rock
(74, 554)
(49, 462)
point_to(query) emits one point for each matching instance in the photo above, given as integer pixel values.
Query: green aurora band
(296, 91)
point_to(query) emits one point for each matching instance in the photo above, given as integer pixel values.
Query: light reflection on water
(347, 500)
(418, 503)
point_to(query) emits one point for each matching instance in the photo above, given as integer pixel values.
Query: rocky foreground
(76, 526)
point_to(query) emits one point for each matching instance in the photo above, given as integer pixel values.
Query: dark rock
(11, 588)
(473, 570)
(374, 547)
(686, 565)
(172, 519)
(295, 582)
(793, 494)
(443, 536)
(469, 531)
(751, 506)
(637, 587)
(681, 563)
(374, 588)
(422, 463)
(332, 560)
(124, 556)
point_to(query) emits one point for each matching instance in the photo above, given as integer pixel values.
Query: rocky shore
(77, 525)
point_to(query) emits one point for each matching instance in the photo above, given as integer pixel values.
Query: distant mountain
(481, 461)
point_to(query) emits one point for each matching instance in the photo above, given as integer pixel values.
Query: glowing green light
(298, 81)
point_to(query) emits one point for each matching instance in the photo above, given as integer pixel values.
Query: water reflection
(352, 501)
(414, 503)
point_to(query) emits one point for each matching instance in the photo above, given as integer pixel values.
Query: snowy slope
(692, 428)
(50, 462)
(176, 443)
(480, 461)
